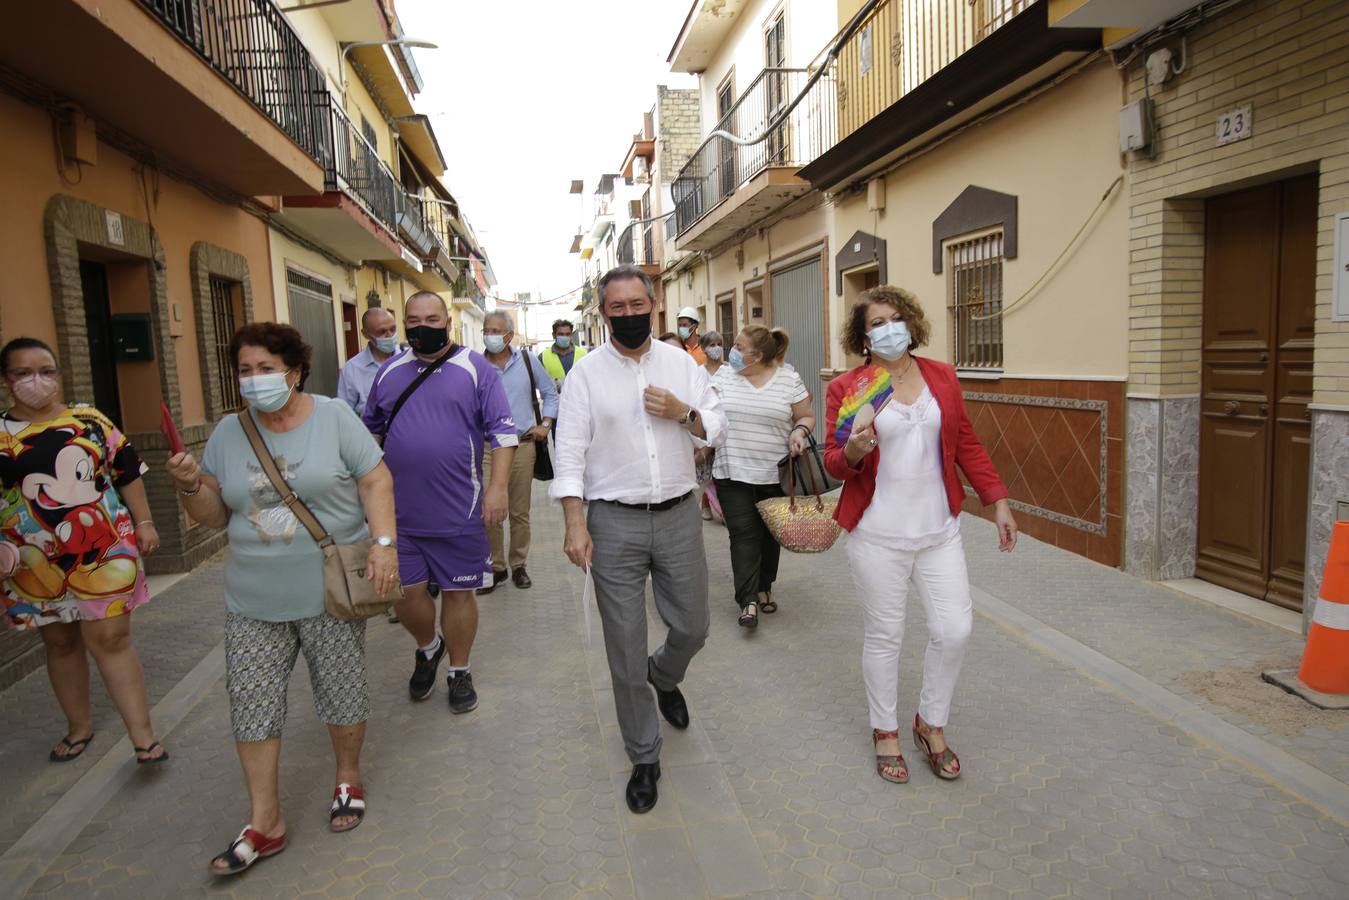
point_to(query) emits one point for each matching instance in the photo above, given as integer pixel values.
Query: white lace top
(909, 510)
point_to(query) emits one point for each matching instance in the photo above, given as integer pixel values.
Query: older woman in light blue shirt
(533, 399)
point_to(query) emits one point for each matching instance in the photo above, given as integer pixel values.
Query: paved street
(1115, 739)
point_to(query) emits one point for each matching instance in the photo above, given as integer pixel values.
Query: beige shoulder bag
(347, 594)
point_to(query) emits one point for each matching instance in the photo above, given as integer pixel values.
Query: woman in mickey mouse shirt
(75, 521)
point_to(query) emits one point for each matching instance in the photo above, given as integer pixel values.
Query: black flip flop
(75, 749)
(150, 760)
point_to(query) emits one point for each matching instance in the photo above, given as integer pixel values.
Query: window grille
(308, 282)
(726, 320)
(976, 302)
(222, 316)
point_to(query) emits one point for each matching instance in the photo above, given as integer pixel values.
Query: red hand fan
(170, 431)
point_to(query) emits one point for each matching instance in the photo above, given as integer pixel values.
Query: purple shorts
(459, 563)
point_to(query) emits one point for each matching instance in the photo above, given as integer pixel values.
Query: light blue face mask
(265, 393)
(386, 345)
(563, 341)
(713, 351)
(495, 343)
(889, 341)
(735, 359)
(684, 332)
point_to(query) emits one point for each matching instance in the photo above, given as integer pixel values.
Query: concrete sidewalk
(1111, 741)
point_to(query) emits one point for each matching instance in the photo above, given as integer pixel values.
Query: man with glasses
(529, 389)
(632, 415)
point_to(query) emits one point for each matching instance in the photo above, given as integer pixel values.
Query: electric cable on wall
(1054, 265)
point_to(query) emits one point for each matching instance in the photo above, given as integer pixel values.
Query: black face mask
(427, 340)
(631, 331)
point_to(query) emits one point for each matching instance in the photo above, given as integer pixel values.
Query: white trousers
(939, 577)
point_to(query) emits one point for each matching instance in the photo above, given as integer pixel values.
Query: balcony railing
(903, 43)
(412, 224)
(636, 245)
(437, 214)
(250, 43)
(353, 166)
(720, 166)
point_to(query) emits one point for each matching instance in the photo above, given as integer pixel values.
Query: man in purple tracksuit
(434, 447)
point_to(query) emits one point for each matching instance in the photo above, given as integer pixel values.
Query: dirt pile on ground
(1240, 689)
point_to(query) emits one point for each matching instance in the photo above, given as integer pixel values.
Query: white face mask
(714, 352)
(495, 343)
(386, 344)
(265, 393)
(889, 341)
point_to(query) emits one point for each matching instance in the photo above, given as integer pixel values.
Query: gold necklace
(899, 379)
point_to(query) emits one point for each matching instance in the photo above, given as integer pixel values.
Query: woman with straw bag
(896, 431)
(767, 410)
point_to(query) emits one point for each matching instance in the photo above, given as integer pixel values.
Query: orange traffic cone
(1325, 661)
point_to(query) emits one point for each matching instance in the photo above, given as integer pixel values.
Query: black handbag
(808, 472)
(543, 463)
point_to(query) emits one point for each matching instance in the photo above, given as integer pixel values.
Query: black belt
(654, 507)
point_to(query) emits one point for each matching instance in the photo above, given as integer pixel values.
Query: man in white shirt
(632, 415)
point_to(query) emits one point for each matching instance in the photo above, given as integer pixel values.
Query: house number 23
(1234, 125)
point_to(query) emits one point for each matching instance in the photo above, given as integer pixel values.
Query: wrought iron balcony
(637, 246)
(353, 167)
(250, 43)
(903, 43)
(793, 139)
(412, 226)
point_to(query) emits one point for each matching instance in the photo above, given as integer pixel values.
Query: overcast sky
(524, 97)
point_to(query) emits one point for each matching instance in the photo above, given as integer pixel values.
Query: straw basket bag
(805, 526)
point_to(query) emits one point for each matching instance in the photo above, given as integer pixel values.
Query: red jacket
(959, 446)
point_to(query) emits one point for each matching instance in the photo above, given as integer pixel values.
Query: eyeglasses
(46, 372)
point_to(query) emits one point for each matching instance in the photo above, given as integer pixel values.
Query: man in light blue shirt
(515, 366)
(380, 329)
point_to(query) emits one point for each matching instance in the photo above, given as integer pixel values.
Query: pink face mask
(36, 390)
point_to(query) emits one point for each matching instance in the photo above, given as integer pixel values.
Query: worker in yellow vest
(559, 356)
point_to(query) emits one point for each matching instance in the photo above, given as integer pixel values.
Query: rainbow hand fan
(860, 405)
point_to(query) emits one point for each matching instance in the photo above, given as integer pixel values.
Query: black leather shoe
(671, 703)
(498, 576)
(521, 578)
(642, 787)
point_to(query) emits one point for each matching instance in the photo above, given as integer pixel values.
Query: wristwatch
(384, 541)
(692, 417)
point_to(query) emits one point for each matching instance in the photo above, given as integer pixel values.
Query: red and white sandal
(250, 846)
(347, 801)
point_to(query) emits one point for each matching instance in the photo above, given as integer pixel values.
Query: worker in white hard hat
(688, 334)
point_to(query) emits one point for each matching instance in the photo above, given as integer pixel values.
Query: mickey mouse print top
(61, 508)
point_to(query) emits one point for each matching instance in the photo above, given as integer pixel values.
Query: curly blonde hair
(903, 302)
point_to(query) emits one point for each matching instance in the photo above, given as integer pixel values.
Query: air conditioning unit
(640, 173)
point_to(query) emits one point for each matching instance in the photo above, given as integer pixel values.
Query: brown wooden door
(351, 329)
(1254, 446)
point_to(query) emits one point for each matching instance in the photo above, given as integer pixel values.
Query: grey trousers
(630, 544)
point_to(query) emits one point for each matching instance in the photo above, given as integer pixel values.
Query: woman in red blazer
(900, 503)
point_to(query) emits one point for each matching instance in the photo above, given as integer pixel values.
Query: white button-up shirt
(610, 448)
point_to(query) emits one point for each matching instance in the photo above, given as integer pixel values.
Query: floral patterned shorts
(259, 657)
